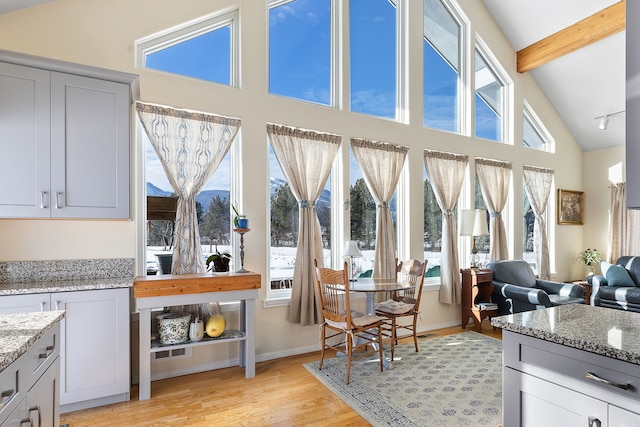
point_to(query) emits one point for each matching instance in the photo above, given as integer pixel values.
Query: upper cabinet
(65, 137)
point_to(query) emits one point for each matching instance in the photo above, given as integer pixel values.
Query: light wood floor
(283, 393)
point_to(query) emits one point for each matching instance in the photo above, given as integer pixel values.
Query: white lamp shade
(473, 222)
(351, 249)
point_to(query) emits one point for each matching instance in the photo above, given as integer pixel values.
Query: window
(373, 57)
(528, 219)
(534, 134)
(206, 49)
(442, 46)
(483, 243)
(432, 230)
(489, 100)
(300, 41)
(284, 228)
(212, 205)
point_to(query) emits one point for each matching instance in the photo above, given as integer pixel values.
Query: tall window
(300, 50)
(284, 228)
(432, 230)
(483, 243)
(373, 57)
(489, 100)
(528, 219)
(534, 134)
(206, 50)
(442, 57)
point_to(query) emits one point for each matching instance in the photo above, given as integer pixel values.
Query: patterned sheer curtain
(446, 174)
(190, 146)
(494, 177)
(537, 183)
(624, 235)
(381, 164)
(305, 158)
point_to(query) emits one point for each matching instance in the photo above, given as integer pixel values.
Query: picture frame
(570, 207)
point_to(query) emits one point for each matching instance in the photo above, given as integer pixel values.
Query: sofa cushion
(604, 266)
(632, 265)
(622, 296)
(617, 275)
(516, 272)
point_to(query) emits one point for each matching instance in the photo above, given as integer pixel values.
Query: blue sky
(300, 65)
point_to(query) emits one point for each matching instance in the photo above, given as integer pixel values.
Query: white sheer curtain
(537, 183)
(305, 158)
(381, 164)
(190, 146)
(494, 177)
(624, 233)
(446, 175)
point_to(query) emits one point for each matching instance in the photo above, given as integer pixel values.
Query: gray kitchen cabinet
(632, 145)
(548, 384)
(65, 139)
(94, 342)
(33, 378)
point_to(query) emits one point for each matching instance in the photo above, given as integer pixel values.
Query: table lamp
(351, 251)
(473, 223)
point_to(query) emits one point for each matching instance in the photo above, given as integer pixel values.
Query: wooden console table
(476, 289)
(185, 289)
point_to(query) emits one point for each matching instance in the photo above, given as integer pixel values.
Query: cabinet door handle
(58, 305)
(592, 376)
(594, 422)
(43, 195)
(37, 408)
(58, 204)
(27, 420)
(42, 305)
(6, 395)
(47, 352)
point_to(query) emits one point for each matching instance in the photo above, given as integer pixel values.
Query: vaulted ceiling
(584, 83)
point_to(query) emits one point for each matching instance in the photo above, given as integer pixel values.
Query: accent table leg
(144, 381)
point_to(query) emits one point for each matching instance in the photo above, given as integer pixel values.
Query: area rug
(454, 380)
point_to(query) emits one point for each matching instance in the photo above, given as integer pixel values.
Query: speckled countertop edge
(19, 331)
(608, 332)
(65, 286)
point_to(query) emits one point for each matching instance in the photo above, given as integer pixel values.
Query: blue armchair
(516, 289)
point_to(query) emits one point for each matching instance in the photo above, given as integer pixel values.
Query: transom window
(490, 99)
(206, 49)
(534, 134)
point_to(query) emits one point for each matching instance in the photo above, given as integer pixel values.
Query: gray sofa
(516, 289)
(619, 288)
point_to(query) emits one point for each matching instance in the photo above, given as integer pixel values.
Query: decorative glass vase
(590, 270)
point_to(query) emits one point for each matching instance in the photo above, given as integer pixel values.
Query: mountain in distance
(276, 183)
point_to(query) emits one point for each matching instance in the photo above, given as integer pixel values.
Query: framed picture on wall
(570, 207)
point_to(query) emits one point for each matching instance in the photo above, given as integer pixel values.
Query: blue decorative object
(617, 275)
(243, 222)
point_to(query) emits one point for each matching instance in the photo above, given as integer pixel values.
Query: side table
(476, 297)
(587, 289)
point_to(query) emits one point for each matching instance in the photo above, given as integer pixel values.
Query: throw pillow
(617, 275)
(604, 266)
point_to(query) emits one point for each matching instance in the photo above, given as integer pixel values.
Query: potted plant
(240, 220)
(590, 257)
(218, 262)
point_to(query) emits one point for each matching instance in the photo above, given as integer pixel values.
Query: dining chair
(356, 331)
(405, 303)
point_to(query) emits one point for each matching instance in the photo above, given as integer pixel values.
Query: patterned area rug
(455, 380)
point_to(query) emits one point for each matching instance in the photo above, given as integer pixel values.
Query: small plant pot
(173, 328)
(243, 222)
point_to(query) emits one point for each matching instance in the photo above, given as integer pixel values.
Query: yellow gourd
(215, 325)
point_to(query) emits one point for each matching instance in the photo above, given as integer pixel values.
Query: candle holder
(241, 232)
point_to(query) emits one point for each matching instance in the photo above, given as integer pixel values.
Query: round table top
(368, 284)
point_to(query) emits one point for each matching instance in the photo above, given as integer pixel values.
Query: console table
(185, 289)
(476, 296)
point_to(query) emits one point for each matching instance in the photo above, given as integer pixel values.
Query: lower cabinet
(547, 384)
(38, 392)
(94, 338)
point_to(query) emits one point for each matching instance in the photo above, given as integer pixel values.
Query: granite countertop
(38, 287)
(600, 330)
(19, 331)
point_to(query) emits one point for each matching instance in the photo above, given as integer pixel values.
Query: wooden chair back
(333, 291)
(411, 271)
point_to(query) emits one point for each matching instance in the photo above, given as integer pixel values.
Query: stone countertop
(600, 330)
(19, 331)
(39, 287)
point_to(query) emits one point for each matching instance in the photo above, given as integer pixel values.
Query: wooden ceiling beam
(598, 26)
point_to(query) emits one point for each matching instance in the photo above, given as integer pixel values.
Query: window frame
(190, 30)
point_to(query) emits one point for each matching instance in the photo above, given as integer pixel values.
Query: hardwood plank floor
(283, 393)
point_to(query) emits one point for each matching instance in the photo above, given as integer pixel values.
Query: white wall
(102, 33)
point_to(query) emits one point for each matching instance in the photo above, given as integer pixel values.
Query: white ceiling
(581, 85)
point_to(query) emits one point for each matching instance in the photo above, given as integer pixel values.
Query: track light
(604, 120)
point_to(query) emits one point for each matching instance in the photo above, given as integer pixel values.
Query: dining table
(372, 286)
